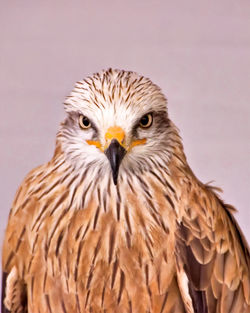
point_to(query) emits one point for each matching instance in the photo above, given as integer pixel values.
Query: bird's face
(116, 119)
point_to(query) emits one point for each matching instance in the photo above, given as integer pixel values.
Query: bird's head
(117, 120)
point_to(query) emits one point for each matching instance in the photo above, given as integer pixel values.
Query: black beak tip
(115, 178)
(115, 153)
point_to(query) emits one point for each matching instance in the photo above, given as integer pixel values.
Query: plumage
(117, 221)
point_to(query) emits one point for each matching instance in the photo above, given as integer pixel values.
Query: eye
(146, 120)
(84, 122)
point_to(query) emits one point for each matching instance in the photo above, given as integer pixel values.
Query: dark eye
(84, 122)
(146, 120)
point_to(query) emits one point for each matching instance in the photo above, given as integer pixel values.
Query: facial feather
(117, 98)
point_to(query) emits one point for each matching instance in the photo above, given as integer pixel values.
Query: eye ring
(146, 121)
(84, 122)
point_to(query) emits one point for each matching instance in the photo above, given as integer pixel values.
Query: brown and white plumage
(151, 238)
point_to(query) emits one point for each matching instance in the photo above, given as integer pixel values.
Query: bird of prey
(117, 221)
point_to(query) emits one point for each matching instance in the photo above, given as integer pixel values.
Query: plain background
(198, 52)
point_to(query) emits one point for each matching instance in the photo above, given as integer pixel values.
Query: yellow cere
(95, 143)
(137, 142)
(115, 132)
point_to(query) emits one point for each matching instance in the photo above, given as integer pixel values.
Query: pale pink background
(198, 52)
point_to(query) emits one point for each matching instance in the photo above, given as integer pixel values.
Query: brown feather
(159, 241)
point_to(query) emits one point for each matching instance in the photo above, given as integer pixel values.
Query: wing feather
(214, 254)
(14, 293)
(3, 307)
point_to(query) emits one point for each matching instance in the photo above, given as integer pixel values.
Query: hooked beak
(115, 148)
(115, 153)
